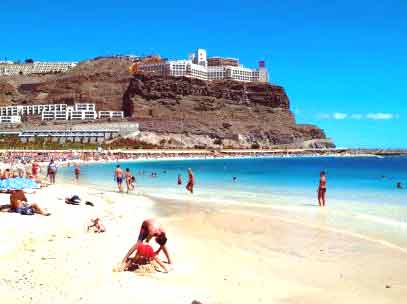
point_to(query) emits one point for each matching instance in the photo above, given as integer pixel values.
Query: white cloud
(324, 116)
(340, 116)
(381, 116)
(356, 116)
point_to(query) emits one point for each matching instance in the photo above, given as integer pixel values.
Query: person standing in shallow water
(77, 172)
(322, 189)
(191, 181)
(129, 182)
(52, 171)
(118, 174)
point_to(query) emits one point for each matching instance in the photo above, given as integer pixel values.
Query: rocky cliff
(173, 111)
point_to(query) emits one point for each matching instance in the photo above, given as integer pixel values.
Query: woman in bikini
(129, 183)
(322, 189)
(191, 181)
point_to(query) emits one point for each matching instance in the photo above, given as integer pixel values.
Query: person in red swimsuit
(322, 189)
(149, 229)
(144, 255)
(191, 181)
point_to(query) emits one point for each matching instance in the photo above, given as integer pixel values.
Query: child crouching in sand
(96, 226)
(145, 254)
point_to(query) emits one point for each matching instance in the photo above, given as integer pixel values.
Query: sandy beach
(222, 254)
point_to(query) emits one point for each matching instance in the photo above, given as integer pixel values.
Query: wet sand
(222, 254)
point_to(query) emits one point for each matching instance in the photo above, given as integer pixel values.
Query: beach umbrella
(18, 183)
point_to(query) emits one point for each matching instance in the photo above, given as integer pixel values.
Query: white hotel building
(79, 111)
(37, 67)
(200, 67)
(10, 119)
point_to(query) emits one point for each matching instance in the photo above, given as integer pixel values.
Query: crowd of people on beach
(63, 156)
(42, 168)
(32, 169)
(24, 171)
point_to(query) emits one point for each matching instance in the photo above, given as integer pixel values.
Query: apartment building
(55, 115)
(37, 67)
(111, 114)
(73, 135)
(84, 107)
(200, 67)
(11, 119)
(31, 109)
(240, 73)
(79, 111)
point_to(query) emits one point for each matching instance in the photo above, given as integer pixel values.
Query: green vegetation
(125, 143)
(42, 143)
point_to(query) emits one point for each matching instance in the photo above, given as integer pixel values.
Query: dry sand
(221, 255)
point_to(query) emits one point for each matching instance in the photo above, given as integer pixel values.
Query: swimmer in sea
(322, 189)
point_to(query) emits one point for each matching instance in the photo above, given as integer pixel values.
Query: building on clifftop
(37, 67)
(199, 66)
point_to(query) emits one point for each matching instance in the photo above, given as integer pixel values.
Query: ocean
(362, 197)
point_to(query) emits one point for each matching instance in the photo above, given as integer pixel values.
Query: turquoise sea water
(362, 194)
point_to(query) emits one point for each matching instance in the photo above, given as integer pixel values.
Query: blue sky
(343, 63)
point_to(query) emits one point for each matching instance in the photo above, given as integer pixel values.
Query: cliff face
(209, 113)
(173, 111)
(230, 92)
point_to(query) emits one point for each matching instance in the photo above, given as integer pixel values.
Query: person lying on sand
(144, 255)
(96, 226)
(19, 204)
(149, 229)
